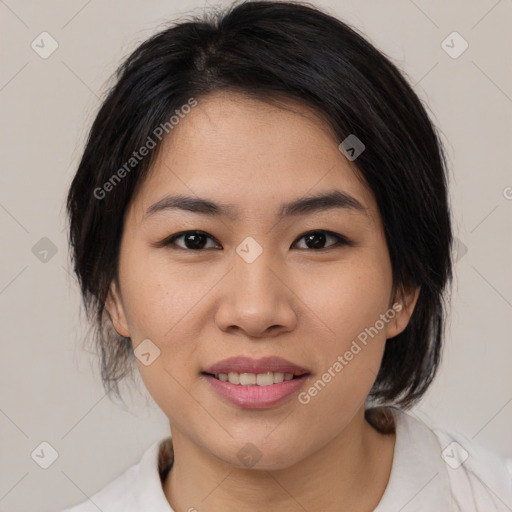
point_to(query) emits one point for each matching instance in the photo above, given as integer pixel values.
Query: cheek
(350, 352)
(349, 304)
(164, 302)
(351, 296)
(161, 297)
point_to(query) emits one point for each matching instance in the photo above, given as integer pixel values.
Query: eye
(316, 239)
(197, 240)
(193, 240)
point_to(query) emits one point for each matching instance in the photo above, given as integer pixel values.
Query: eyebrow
(317, 203)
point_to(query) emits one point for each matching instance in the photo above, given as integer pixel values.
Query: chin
(260, 453)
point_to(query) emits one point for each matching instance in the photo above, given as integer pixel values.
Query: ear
(403, 307)
(115, 309)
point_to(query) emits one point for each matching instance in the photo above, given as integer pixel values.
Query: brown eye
(198, 240)
(192, 240)
(317, 239)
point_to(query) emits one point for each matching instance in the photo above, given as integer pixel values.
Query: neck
(349, 473)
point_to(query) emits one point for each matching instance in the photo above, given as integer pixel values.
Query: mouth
(255, 383)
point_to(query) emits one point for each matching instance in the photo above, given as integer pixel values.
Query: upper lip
(244, 364)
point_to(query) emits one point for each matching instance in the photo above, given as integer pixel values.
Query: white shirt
(432, 471)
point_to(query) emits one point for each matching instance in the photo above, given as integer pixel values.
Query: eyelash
(341, 240)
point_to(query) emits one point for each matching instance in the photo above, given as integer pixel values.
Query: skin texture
(304, 304)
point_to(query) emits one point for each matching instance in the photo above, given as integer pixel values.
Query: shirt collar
(417, 468)
(153, 468)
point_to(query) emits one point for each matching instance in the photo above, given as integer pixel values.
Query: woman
(260, 223)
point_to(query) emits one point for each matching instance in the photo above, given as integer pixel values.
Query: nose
(257, 299)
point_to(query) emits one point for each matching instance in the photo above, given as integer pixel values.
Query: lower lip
(254, 396)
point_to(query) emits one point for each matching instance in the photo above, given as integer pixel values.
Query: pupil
(318, 243)
(198, 241)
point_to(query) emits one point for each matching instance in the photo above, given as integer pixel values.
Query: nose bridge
(256, 299)
(252, 268)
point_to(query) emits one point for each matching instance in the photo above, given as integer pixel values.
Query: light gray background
(50, 389)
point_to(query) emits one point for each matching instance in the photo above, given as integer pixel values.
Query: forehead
(252, 155)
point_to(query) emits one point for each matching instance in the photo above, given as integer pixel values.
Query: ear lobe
(115, 309)
(407, 304)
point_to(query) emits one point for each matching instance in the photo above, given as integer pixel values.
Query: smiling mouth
(255, 379)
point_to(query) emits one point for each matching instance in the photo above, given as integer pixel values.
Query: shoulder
(139, 484)
(444, 468)
(479, 477)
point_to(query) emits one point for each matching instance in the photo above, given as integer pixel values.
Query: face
(305, 286)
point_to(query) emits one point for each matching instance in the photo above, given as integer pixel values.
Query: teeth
(279, 377)
(234, 377)
(251, 379)
(247, 379)
(265, 379)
